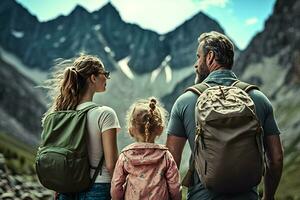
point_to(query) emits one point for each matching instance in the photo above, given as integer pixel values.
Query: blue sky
(241, 19)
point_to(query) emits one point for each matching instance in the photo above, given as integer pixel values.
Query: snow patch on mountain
(168, 72)
(123, 64)
(154, 74)
(17, 34)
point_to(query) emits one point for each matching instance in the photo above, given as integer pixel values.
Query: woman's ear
(93, 78)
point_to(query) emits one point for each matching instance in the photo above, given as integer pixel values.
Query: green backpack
(62, 162)
(228, 152)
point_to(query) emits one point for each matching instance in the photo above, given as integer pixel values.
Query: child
(145, 170)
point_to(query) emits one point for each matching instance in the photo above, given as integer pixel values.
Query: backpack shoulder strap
(198, 88)
(244, 86)
(86, 109)
(97, 169)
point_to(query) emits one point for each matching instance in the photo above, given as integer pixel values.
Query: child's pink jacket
(145, 171)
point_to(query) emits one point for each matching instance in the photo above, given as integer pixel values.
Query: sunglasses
(106, 74)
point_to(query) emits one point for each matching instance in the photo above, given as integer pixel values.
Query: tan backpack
(228, 151)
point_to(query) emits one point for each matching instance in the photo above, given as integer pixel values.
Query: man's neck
(216, 68)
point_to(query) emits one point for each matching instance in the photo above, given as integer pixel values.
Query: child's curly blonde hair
(148, 116)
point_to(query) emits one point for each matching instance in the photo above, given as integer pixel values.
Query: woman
(73, 87)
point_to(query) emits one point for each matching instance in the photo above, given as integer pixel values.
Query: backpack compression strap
(97, 169)
(198, 88)
(244, 86)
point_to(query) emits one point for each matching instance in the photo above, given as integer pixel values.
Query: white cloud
(251, 21)
(205, 4)
(161, 16)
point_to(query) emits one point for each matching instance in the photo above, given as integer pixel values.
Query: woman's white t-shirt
(99, 119)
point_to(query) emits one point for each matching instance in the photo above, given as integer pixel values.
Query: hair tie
(73, 69)
(153, 101)
(152, 104)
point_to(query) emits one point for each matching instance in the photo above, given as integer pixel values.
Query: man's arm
(274, 155)
(176, 145)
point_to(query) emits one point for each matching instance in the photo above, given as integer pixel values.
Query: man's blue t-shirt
(182, 124)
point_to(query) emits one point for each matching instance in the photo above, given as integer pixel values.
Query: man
(214, 62)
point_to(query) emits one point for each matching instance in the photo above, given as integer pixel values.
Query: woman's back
(100, 119)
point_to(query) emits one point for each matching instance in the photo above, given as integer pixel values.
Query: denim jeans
(99, 191)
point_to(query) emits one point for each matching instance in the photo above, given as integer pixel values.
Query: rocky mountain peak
(79, 10)
(109, 11)
(109, 8)
(183, 42)
(280, 36)
(102, 33)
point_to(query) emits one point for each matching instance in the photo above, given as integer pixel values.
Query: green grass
(288, 114)
(184, 192)
(184, 189)
(19, 157)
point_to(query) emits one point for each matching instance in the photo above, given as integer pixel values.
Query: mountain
(21, 105)
(179, 89)
(183, 42)
(101, 33)
(146, 63)
(280, 38)
(272, 61)
(274, 51)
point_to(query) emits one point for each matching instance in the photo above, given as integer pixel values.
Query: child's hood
(144, 153)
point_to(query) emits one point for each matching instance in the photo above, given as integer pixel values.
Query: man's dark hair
(220, 45)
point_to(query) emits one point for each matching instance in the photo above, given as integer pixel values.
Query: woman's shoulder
(104, 113)
(105, 109)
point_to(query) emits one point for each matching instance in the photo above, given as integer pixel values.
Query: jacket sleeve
(119, 178)
(173, 178)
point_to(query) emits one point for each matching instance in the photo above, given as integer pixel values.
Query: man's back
(182, 124)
